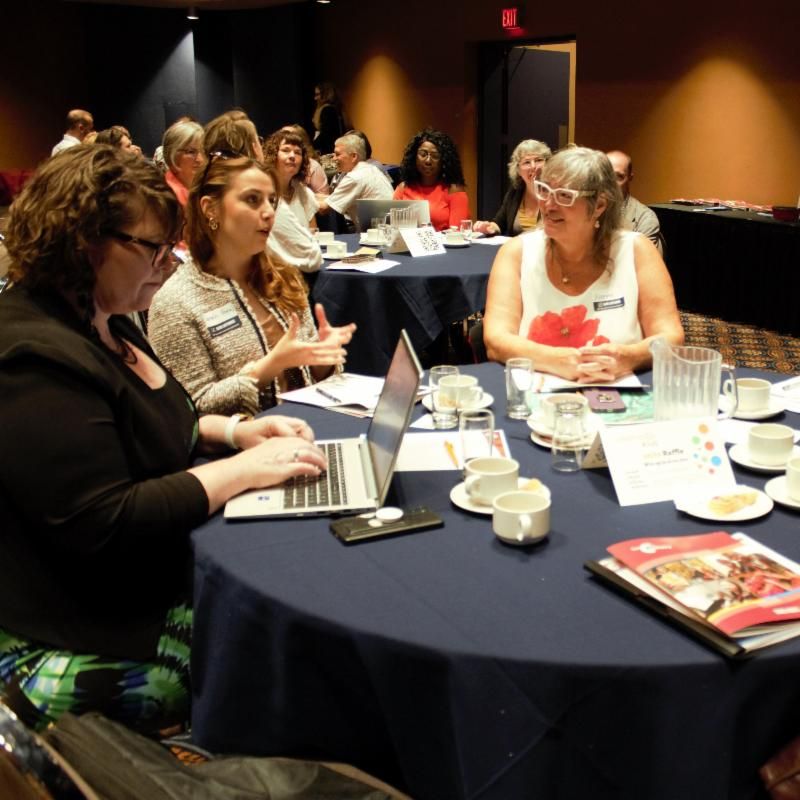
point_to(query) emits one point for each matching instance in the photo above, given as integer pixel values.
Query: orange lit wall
(703, 95)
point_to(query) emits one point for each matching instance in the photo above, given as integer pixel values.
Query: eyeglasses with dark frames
(162, 251)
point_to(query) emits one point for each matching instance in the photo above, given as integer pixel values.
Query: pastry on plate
(731, 503)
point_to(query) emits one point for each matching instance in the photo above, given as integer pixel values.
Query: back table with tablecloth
(740, 266)
(423, 295)
(458, 667)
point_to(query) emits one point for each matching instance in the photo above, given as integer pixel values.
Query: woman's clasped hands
(604, 362)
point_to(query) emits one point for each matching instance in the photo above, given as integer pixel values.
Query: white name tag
(221, 320)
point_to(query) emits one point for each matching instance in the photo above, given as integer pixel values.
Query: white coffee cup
(459, 391)
(549, 403)
(325, 237)
(337, 249)
(521, 517)
(793, 479)
(454, 237)
(770, 444)
(753, 394)
(485, 478)
(372, 235)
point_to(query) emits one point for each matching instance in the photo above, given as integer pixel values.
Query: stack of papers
(348, 393)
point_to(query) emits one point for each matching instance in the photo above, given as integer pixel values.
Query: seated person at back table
(635, 216)
(95, 595)
(360, 181)
(232, 134)
(519, 210)
(431, 171)
(579, 296)
(233, 327)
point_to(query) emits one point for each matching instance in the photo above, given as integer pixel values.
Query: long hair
(451, 172)
(278, 284)
(230, 133)
(589, 171)
(64, 211)
(273, 144)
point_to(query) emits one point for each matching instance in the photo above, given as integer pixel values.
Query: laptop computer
(360, 469)
(367, 210)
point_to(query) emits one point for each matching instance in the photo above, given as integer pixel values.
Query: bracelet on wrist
(230, 427)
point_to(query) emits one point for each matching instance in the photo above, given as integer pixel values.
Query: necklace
(564, 277)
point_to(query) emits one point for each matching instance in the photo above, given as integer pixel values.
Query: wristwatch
(230, 427)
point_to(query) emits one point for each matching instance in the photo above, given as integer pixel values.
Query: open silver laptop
(367, 210)
(359, 469)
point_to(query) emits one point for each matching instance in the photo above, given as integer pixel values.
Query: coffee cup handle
(472, 485)
(730, 392)
(525, 524)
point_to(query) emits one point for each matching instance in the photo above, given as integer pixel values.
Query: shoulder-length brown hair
(277, 283)
(68, 206)
(273, 144)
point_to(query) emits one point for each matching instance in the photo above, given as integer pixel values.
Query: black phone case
(357, 529)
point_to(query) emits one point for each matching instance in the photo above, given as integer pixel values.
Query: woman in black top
(97, 492)
(330, 121)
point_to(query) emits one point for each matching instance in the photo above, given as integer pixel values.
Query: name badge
(222, 320)
(609, 303)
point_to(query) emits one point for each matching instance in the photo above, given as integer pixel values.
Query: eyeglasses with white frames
(564, 197)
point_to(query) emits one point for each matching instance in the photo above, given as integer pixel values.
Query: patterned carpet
(743, 345)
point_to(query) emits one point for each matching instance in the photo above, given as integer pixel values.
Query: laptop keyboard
(326, 490)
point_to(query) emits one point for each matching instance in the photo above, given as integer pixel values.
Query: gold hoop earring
(212, 223)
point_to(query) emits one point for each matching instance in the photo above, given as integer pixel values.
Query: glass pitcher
(686, 382)
(403, 217)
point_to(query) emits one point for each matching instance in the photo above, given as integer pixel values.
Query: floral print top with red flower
(606, 312)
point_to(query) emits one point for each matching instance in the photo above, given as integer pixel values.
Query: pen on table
(327, 395)
(451, 451)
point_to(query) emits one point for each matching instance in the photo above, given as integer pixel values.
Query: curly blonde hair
(279, 284)
(69, 205)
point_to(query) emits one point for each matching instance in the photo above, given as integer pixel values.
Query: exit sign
(510, 18)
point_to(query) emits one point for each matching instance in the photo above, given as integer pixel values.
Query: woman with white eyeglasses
(519, 210)
(579, 296)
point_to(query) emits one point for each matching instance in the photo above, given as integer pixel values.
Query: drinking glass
(569, 438)
(477, 433)
(444, 416)
(519, 376)
(466, 229)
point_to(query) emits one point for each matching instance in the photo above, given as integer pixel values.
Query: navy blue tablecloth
(422, 295)
(458, 667)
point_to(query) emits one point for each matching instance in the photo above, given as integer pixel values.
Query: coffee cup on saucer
(489, 476)
(454, 237)
(753, 394)
(324, 237)
(372, 236)
(521, 517)
(548, 406)
(793, 479)
(337, 249)
(770, 444)
(459, 391)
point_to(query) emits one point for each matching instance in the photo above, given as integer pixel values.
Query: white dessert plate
(740, 454)
(696, 504)
(774, 408)
(460, 498)
(485, 401)
(544, 431)
(776, 489)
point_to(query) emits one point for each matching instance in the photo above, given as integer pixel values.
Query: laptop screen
(393, 412)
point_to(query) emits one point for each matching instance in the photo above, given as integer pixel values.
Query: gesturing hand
(328, 332)
(293, 352)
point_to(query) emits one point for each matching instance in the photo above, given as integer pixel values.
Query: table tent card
(417, 241)
(655, 461)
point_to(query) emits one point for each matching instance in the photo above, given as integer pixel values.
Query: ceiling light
(192, 13)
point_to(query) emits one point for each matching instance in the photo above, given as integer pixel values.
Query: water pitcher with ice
(686, 382)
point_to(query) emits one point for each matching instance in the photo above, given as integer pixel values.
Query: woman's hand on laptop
(252, 432)
(280, 458)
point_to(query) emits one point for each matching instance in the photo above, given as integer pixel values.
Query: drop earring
(212, 223)
(597, 223)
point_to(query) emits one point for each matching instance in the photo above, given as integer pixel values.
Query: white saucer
(447, 244)
(544, 431)
(547, 441)
(486, 401)
(370, 243)
(776, 489)
(774, 408)
(460, 498)
(741, 455)
(695, 504)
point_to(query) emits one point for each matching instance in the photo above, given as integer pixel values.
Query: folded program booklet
(727, 589)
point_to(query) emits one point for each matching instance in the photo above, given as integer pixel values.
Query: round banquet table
(455, 666)
(423, 295)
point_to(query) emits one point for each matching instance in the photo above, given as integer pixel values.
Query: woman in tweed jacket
(233, 328)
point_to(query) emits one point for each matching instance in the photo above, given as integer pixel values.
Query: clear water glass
(569, 438)
(476, 429)
(444, 416)
(466, 228)
(519, 378)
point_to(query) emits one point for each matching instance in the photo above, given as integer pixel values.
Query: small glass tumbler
(519, 377)
(569, 438)
(466, 229)
(444, 415)
(477, 433)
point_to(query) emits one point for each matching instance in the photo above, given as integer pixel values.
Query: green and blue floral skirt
(40, 684)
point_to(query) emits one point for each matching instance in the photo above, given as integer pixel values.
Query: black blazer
(507, 213)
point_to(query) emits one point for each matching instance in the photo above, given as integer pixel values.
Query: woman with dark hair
(234, 327)
(95, 562)
(116, 136)
(316, 180)
(579, 296)
(519, 210)
(330, 121)
(291, 241)
(431, 171)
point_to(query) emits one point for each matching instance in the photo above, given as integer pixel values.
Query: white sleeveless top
(607, 311)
